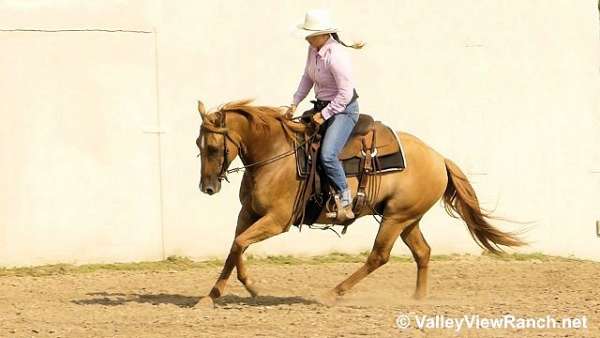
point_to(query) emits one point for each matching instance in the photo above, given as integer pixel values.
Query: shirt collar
(326, 46)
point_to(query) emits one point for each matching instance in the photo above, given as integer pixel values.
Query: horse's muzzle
(210, 188)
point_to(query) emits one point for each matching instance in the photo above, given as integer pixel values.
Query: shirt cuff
(326, 113)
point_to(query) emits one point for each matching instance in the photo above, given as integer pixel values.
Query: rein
(224, 165)
(269, 160)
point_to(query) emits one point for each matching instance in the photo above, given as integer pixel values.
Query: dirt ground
(158, 303)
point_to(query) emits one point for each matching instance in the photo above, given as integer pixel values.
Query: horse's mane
(263, 118)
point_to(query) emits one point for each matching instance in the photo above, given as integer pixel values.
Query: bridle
(223, 131)
(225, 164)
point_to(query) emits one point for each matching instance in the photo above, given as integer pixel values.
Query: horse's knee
(238, 246)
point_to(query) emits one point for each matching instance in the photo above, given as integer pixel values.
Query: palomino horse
(262, 138)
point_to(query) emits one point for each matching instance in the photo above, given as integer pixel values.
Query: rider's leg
(339, 128)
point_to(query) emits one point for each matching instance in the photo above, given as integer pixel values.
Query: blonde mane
(262, 117)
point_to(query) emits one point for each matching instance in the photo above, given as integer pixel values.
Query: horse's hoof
(205, 303)
(419, 295)
(252, 290)
(329, 298)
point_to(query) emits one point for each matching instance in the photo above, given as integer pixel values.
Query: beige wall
(507, 89)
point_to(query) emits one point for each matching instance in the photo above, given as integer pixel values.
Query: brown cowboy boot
(344, 213)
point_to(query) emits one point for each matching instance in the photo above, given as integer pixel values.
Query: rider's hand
(290, 112)
(318, 118)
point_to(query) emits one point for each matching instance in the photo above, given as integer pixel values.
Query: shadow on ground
(115, 299)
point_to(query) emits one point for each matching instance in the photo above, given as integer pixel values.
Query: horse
(264, 141)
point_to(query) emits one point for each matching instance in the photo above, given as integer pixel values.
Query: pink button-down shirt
(329, 69)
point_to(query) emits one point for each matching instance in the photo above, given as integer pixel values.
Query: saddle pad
(391, 162)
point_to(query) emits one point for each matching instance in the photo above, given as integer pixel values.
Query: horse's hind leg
(414, 239)
(389, 230)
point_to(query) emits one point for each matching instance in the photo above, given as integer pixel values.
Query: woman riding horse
(264, 140)
(336, 108)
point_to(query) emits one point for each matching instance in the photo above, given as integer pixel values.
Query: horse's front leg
(247, 233)
(243, 222)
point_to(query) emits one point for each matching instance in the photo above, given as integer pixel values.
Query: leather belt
(318, 105)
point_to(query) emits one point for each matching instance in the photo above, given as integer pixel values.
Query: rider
(328, 67)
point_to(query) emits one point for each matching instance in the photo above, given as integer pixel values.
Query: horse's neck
(259, 144)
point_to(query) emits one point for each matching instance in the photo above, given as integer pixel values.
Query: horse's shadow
(115, 299)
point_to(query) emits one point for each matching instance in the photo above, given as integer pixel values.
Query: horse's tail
(460, 198)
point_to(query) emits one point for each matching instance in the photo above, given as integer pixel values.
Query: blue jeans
(337, 131)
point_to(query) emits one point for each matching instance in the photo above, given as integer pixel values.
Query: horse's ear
(201, 110)
(222, 118)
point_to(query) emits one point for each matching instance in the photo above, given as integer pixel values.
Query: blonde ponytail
(356, 45)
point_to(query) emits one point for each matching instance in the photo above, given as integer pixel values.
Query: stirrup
(347, 210)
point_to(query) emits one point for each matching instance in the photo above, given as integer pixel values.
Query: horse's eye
(210, 150)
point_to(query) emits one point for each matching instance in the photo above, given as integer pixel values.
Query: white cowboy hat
(316, 22)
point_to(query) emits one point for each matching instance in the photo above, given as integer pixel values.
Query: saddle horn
(202, 110)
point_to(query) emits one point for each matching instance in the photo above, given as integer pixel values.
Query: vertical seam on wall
(160, 163)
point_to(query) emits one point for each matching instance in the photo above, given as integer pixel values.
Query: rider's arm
(305, 85)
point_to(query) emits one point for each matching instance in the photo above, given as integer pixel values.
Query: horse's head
(217, 149)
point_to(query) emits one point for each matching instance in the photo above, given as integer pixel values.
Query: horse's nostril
(210, 191)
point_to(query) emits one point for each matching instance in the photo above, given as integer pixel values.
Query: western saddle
(371, 150)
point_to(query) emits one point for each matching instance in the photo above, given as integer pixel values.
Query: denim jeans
(337, 131)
